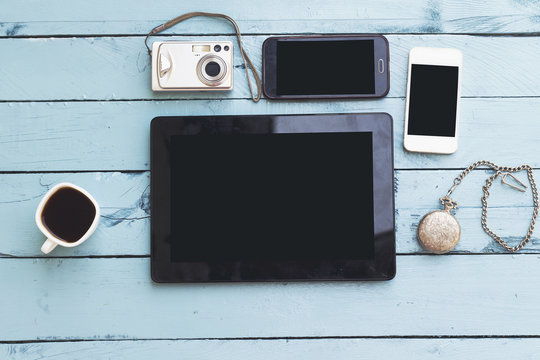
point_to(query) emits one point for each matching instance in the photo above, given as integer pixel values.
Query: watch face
(439, 232)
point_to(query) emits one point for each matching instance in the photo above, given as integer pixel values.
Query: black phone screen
(329, 67)
(433, 100)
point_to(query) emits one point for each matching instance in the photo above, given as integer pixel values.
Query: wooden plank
(101, 299)
(115, 135)
(107, 68)
(451, 349)
(509, 213)
(125, 225)
(138, 17)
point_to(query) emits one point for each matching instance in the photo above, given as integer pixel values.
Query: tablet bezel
(382, 267)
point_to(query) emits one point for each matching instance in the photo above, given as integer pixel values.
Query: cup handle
(48, 246)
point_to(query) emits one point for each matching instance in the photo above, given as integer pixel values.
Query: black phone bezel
(382, 267)
(269, 67)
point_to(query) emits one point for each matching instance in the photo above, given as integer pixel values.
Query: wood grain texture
(69, 136)
(344, 16)
(51, 299)
(419, 349)
(125, 223)
(105, 68)
(63, 299)
(124, 227)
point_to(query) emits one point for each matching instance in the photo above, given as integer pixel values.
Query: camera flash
(200, 48)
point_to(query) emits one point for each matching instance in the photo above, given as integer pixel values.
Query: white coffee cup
(52, 239)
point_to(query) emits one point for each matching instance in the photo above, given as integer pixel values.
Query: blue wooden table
(76, 105)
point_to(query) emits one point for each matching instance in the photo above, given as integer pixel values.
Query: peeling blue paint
(14, 29)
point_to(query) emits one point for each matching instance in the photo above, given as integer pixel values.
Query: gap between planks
(18, 172)
(247, 98)
(288, 338)
(60, 36)
(457, 253)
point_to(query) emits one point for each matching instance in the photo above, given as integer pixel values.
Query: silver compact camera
(189, 65)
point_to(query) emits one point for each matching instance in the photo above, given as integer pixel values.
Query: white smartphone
(432, 107)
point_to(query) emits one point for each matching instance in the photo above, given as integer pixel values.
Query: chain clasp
(448, 203)
(520, 188)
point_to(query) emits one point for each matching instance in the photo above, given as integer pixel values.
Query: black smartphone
(326, 67)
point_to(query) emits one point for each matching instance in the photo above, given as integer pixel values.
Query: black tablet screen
(302, 196)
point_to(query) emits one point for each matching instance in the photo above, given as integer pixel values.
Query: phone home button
(380, 65)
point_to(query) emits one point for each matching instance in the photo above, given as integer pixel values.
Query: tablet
(272, 198)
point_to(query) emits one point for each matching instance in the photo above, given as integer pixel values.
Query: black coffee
(68, 214)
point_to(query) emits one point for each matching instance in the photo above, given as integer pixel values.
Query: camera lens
(226, 48)
(212, 68)
(217, 48)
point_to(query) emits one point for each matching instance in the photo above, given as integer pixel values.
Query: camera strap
(245, 57)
